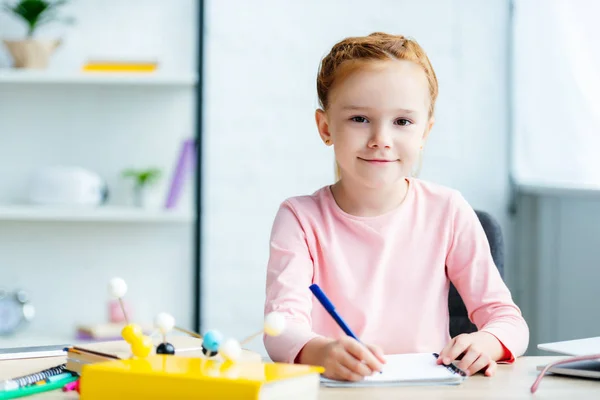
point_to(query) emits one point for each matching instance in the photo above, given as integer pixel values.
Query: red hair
(350, 53)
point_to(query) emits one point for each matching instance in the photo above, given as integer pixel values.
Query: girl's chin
(383, 182)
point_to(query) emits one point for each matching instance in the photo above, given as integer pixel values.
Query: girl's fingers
(482, 362)
(354, 365)
(468, 359)
(376, 350)
(362, 353)
(491, 369)
(454, 349)
(347, 374)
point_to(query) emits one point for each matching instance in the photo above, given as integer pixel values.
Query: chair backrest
(459, 318)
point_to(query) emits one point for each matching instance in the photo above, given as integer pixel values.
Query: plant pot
(140, 194)
(145, 197)
(31, 53)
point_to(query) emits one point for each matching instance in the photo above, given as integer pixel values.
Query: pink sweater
(388, 276)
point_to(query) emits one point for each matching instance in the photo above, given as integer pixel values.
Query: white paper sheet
(406, 369)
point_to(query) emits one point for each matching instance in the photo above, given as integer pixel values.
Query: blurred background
(101, 104)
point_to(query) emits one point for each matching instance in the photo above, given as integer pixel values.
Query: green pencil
(34, 389)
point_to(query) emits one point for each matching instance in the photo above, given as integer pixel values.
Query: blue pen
(331, 309)
(328, 305)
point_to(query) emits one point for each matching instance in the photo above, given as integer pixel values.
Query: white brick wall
(261, 144)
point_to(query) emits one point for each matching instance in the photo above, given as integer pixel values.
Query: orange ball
(132, 333)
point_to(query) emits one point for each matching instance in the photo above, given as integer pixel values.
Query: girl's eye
(358, 119)
(403, 122)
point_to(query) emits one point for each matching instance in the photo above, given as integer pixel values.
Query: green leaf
(36, 12)
(142, 177)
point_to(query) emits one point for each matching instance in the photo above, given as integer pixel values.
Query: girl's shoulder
(309, 203)
(435, 197)
(433, 192)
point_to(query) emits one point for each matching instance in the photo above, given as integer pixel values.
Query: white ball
(230, 350)
(274, 324)
(117, 287)
(165, 322)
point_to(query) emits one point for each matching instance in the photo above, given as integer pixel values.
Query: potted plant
(143, 180)
(32, 52)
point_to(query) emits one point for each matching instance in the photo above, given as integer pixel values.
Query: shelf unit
(91, 214)
(9, 76)
(63, 256)
(24, 212)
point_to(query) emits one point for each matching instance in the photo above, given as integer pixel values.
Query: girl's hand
(348, 360)
(479, 351)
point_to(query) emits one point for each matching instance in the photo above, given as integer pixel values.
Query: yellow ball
(142, 348)
(131, 333)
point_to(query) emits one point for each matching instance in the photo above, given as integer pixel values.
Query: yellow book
(173, 377)
(119, 66)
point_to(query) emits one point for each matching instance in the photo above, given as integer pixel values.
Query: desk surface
(510, 382)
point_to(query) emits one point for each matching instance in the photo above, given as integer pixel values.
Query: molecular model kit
(213, 342)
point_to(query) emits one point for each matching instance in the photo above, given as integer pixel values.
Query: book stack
(172, 377)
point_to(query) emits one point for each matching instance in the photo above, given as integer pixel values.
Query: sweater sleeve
(472, 270)
(289, 274)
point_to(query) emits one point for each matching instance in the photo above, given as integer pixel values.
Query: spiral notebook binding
(39, 376)
(451, 367)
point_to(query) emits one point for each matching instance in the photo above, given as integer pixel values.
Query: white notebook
(15, 353)
(579, 347)
(407, 369)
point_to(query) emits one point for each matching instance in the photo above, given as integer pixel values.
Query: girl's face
(378, 120)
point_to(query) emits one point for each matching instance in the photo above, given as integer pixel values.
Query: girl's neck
(366, 202)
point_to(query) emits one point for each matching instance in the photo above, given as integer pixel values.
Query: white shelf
(85, 214)
(16, 76)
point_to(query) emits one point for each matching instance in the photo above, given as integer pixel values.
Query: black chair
(459, 319)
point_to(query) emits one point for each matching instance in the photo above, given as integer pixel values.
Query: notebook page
(413, 369)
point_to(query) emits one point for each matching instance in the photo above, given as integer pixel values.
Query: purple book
(185, 166)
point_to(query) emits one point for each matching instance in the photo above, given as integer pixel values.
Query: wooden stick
(194, 334)
(249, 338)
(123, 309)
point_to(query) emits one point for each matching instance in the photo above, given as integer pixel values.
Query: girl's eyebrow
(353, 108)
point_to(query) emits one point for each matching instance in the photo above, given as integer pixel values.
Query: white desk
(510, 382)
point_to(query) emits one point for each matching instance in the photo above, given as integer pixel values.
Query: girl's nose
(380, 139)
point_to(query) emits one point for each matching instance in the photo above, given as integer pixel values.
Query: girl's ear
(428, 129)
(323, 126)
